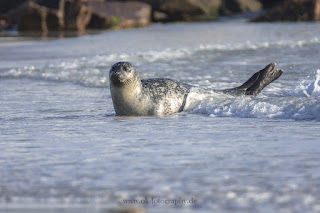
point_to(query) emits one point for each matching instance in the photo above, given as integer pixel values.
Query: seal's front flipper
(257, 82)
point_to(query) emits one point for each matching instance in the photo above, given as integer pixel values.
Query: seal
(132, 96)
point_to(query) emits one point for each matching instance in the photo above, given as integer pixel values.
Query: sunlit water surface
(61, 143)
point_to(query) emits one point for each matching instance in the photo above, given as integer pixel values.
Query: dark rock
(7, 5)
(54, 20)
(183, 10)
(29, 17)
(54, 15)
(76, 15)
(119, 14)
(190, 10)
(240, 6)
(270, 3)
(292, 10)
(69, 15)
(100, 21)
(53, 4)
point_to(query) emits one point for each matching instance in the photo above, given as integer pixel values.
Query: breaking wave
(302, 103)
(308, 88)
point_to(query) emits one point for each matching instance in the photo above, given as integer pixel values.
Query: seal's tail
(257, 82)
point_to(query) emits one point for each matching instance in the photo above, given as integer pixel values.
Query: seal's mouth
(120, 78)
(117, 79)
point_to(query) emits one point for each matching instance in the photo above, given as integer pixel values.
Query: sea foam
(301, 103)
(309, 88)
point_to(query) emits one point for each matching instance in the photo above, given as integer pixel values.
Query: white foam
(308, 87)
(168, 53)
(220, 105)
(301, 104)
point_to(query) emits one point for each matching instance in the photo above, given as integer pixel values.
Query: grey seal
(132, 96)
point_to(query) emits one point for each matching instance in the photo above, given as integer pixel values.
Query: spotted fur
(156, 96)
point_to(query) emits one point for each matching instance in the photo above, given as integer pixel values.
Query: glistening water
(62, 145)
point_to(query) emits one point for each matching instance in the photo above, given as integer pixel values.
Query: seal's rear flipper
(257, 82)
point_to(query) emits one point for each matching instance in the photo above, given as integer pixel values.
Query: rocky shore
(56, 16)
(292, 10)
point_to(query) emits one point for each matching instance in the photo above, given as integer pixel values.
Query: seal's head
(122, 73)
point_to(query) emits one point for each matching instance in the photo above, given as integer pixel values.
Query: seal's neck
(127, 98)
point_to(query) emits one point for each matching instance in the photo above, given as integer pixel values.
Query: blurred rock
(54, 15)
(100, 21)
(183, 10)
(270, 3)
(240, 6)
(6, 5)
(159, 16)
(119, 14)
(54, 20)
(69, 15)
(29, 16)
(292, 10)
(191, 10)
(52, 4)
(76, 15)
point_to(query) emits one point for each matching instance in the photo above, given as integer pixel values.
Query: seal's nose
(118, 75)
(120, 72)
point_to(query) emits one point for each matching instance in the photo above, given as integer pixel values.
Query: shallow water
(63, 145)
